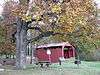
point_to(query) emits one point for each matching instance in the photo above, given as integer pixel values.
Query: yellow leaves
(7, 47)
(83, 23)
(19, 11)
(37, 18)
(26, 18)
(15, 12)
(37, 8)
(59, 38)
(67, 23)
(24, 2)
(69, 29)
(88, 28)
(62, 19)
(56, 8)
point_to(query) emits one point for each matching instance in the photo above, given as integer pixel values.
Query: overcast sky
(1, 5)
(98, 3)
(2, 1)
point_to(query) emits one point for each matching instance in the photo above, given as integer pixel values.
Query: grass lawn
(67, 68)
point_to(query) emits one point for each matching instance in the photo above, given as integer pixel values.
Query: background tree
(70, 20)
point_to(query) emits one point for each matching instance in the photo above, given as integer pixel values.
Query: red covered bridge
(52, 52)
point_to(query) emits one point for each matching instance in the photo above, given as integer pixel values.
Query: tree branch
(44, 34)
(36, 28)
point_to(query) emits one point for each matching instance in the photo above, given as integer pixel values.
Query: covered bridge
(52, 52)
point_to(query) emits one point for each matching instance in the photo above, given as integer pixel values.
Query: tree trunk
(18, 43)
(21, 44)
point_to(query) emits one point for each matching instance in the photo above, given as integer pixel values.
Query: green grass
(67, 68)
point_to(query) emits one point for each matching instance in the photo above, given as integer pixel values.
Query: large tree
(71, 20)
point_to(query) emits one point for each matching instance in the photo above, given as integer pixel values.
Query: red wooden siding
(70, 52)
(42, 55)
(56, 52)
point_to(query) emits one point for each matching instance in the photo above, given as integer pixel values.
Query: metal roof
(54, 45)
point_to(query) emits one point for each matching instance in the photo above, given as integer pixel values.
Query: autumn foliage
(71, 20)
